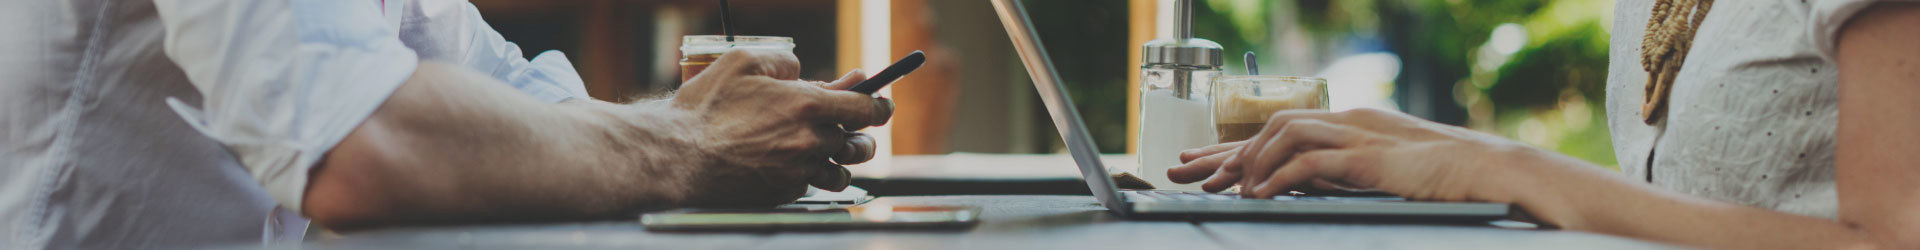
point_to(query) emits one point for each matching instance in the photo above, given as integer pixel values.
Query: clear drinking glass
(1241, 104)
(699, 51)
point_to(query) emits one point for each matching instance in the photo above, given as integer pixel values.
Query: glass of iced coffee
(697, 52)
(1241, 104)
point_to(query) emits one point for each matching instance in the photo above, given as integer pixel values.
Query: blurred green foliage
(1552, 92)
(1549, 92)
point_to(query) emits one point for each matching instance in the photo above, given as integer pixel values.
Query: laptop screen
(1060, 107)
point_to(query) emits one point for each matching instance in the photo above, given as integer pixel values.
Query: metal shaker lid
(1183, 49)
(1190, 51)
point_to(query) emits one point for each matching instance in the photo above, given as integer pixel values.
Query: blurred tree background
(1088, 41)
(1531, 70)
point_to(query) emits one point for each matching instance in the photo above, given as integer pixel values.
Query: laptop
(1150, 204)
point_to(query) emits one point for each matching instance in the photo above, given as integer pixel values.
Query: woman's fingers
(1334, 185)
(1226, 176)
(1298, 136)
(1254, 161)
(1193, 170)
(1275, 123)
(1197, 153)
(1201, 163)
(1303, 169)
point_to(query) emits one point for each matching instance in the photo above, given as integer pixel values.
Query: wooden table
(1034, 220)
(1009, 222)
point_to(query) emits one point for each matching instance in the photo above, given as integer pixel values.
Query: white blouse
(1752, 113)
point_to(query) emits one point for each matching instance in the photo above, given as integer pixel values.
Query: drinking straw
(726, 22)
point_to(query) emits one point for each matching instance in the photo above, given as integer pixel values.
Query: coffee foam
(1245, 107)
(723, 48)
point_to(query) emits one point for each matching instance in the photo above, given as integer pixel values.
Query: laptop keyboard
(1162, 196)
(1177, 196)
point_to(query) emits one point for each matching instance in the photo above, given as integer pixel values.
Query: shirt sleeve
(1827, 17)
(281, 87)
(452, 31)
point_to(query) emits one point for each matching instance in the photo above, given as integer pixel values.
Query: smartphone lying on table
(799, 219)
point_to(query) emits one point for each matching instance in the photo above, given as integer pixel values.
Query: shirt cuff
(549, 77)
(280, 151)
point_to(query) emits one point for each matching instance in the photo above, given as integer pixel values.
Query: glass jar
(699, 51)
(1174, 116)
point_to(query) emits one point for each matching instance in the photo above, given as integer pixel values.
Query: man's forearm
(451, 144)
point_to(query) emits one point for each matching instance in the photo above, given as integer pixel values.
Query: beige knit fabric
(1664, 49)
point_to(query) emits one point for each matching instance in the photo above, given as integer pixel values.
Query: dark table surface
(1027, 201)
(1008, 222)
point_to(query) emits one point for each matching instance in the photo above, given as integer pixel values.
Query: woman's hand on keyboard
(1364, 149)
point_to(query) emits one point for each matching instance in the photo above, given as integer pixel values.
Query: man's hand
(766, 135)
(455, 146)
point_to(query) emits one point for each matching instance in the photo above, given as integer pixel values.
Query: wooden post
(847, 27)
(1141, 18)
(602, 52)
(925, 99)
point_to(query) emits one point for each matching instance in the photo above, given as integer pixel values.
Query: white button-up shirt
(176, 123)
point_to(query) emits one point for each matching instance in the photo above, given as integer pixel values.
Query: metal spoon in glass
(1253, 69)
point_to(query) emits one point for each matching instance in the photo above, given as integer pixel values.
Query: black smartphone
(892, 73)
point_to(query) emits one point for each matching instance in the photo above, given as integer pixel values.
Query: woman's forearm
(1576, 195)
